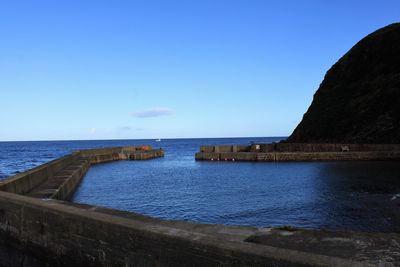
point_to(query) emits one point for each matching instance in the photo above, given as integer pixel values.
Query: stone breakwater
(58, 179)
(299, 152)
(39, 228)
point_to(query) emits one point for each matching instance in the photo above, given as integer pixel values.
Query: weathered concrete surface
(66, 234)
(103, 155)
(24, 182)
(299, 152)
(63, 184)
(363, 247)
(58, 179)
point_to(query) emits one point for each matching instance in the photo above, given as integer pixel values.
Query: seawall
(299, 152)
(59, 178)
(60, 233)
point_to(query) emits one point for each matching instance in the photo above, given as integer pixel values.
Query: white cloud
(152, 112)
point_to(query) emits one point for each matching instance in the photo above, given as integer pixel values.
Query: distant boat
(158, 140)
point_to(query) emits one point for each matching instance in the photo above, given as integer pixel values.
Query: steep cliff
(359, 98)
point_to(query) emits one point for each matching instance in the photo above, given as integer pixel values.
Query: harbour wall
(59, 178)
(103, 155)
(299, 152)
(23, 183)
(36, 221)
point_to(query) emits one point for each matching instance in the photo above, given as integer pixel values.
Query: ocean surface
(358, 196)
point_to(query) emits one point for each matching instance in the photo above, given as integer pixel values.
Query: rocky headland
(359, 99)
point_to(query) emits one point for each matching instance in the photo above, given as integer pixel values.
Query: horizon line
(138, 139)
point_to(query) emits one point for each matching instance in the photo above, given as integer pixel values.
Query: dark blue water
(331, 195)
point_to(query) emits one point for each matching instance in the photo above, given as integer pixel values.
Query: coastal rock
(359, 98)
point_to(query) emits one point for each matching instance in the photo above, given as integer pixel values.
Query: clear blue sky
(149, 69)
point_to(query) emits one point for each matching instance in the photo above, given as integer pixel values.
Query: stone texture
(302, 152)
(58, 233)
(377, 248)
(359, 98)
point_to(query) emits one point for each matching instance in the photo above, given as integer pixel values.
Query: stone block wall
(300, 152)
(59, 233)
(24, 182)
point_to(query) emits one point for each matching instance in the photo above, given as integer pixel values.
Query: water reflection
(361, 195)
(331, 195)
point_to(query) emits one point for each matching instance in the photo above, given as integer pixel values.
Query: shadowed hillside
(359, 98)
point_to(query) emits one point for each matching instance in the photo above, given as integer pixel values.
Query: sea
(357, 195)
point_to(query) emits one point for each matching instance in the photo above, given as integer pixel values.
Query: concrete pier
(58, 179)
(299, 152)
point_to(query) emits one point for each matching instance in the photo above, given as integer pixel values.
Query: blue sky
(170, 69)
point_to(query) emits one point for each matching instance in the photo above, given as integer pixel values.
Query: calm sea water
(332, 195)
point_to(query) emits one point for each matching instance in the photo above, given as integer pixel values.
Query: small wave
(396, 196)
(2, 175)
(247, 213)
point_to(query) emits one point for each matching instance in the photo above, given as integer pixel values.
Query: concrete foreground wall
(65, 234)
(300, 152)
